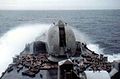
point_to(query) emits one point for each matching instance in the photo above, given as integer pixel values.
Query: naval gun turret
(61, 42)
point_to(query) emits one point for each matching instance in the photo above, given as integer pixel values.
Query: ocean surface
(100, 27)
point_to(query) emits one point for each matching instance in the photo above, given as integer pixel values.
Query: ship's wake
(13, 42)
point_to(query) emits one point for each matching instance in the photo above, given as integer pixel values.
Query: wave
(80, 36)
(13, 41)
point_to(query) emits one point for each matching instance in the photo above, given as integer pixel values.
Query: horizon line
(56, 9)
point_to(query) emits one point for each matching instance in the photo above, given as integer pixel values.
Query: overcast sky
(59, 4)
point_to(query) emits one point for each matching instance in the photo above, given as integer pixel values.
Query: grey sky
(59, 4)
